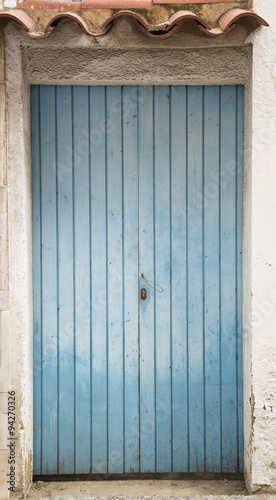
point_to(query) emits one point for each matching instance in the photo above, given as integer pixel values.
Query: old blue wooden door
(132, 184)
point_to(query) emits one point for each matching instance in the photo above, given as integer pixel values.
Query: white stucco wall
(20, 261)
(260, 292)
(4, 282)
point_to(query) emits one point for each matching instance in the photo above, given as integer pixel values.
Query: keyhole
(143, 294)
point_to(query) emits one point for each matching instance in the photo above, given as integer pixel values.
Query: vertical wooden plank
(49, 280)
(195, 280)
(99, 270)
(146, 266)
(239, 250)
(178, 277)
(131, 278)
(115, 282)
(65, 277)
(162, 277)
(228, 280)
(211, 278)
(36, 183)
(82, 278)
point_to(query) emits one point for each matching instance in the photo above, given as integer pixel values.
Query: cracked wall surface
(4, 284)
(260, 301)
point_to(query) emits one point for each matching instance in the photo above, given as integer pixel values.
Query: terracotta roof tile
(108, 4)
(168, 27)
(232, 15)
(165, 26)
(78, 19)
(186, 2)
(21, 17)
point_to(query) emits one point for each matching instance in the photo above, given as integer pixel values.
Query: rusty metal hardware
(143, 293)
(152, 284)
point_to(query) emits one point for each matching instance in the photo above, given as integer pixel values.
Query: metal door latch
(152, 284)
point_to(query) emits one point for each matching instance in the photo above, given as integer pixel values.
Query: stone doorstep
(144, 489)
(264, 496)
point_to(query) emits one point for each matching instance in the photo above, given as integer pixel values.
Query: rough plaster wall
(4, 285)
(123, 66)
(247, 306)
(20, 258)
(262, 293)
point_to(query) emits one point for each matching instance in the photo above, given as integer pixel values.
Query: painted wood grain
(133, 182)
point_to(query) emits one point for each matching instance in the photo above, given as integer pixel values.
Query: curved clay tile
(186, 14)
(162, 30)
(216, 31)
(74, 17)
(165, 26)
(116, 4)
(227, 21)
(130, 13)
(20, 16)
(37, 35)
(231, 16)
(48, 5)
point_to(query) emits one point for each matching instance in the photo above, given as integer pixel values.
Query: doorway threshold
(139, 489)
